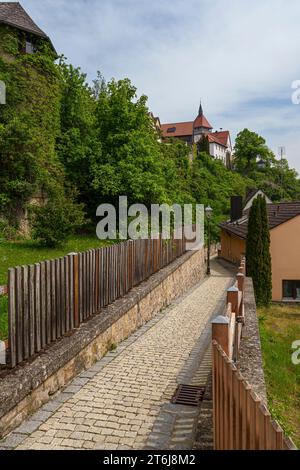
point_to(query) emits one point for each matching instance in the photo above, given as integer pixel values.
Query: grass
(279, 328)
(18, 253)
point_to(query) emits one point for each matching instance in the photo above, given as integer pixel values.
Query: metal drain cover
(190, 395)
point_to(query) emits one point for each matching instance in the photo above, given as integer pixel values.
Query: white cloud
(235, 55)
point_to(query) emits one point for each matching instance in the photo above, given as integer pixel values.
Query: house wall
(232, 247)
(218, 151)
(285, 253)
(284, 249)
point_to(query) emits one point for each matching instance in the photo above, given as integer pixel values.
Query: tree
(248, 146)
(276, 179)
(77, 145)
(203, 144)
(258, 260)
(131, 161)
(266, 261)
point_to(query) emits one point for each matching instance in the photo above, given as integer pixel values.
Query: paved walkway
(116, 403)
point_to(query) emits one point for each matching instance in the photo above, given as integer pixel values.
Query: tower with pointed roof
(201, 125)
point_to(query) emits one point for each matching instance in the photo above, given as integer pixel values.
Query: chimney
(236, 210)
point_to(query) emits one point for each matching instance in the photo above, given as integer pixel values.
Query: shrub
(55, 221)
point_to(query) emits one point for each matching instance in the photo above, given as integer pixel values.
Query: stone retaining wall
(27, 387)
(250, 361)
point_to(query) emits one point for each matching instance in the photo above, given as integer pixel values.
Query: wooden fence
(49, 299)
(241, 420)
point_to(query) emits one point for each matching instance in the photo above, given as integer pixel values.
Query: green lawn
(279, 328)
(20, 253)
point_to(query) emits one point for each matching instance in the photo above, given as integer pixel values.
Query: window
(171, 129)
(291, 290)
(29, 47)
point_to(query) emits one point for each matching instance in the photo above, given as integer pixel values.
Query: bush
(55, 221)
(7, 231)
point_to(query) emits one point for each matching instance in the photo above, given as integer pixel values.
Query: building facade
(284, 224)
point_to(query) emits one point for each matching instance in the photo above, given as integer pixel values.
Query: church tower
(201, 125)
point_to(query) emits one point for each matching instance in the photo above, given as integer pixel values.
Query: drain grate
(188, 395)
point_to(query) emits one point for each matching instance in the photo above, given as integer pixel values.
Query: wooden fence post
(220, 332)
(75, 291)
(240, 277)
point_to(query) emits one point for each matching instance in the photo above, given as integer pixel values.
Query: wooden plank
(226, 401)
(79, 278)
(31, 286)
(58, 296)
(88, 284)
(94, 302)
(97, 280)
(67, 293)
(71, 289)
(53, 300)
(38, 344)
(83, 275)
(12, 317)
(19, 313)
(101, 278)
(215, 393)
(48, 302)
(62, 296)
(76, 290)
(25, 296)
(105, 276)
(112, 274)
(43, 305)
(231, 406)
(221, 400)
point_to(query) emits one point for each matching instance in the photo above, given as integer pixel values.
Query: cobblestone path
(115, 403)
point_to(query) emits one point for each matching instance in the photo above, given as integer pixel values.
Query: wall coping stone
(250, 362)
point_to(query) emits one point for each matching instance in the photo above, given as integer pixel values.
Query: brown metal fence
(49, 299)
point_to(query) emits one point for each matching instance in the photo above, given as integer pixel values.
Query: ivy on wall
(29, 125)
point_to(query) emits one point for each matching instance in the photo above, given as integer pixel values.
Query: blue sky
(239, 56)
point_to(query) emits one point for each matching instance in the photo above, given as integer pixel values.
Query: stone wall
(250, 361)
(27, 387)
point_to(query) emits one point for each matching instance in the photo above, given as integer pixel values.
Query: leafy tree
(248, 146)
(203, 145)
(131, 162)
(277, 180)
(258, 260)
(77, 146)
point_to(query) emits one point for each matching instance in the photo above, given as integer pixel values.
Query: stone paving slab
(117, 402)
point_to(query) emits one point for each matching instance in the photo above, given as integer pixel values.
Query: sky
(240, 57)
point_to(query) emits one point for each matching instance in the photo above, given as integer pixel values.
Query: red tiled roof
(277, 215)
(179, 129)
(201, 121)
(214, 138)
(222, 136)
(13, 14)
